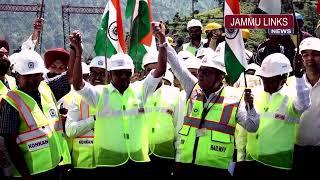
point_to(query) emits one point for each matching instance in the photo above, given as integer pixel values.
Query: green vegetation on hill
(178, 24)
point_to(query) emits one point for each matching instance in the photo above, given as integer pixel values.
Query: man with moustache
(307, 149)
(30, 112)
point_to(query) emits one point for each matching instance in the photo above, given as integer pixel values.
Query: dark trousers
(254, 169)
(192, 170)
(129, 169)
(161, 166)
(53, 174)
(306, 161)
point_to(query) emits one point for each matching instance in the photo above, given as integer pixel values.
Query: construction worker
(162, 114)
(270, 149)
(202, 52)
(80, 123)
(308, 140)
(121, 131)
(168, 78)
(29, 119)
(56, 61)
(215, 36)
(194, 28)
(245, 36)
(206, 139)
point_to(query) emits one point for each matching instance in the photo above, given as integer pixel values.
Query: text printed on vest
(38, 144)
(218, 148)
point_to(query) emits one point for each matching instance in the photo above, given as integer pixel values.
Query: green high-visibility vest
(273, 143)
(51, 112)
(37, 139)
(12, 85)
(82, 146)
(159, 113)
(120, 129)
(215, 138)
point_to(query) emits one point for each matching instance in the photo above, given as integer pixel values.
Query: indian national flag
(110, 38)
(270, 6)
(141, 33)
(234, 57)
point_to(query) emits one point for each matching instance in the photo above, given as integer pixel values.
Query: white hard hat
(204, 51)
(120, 61)
(193, 63)
(12, 58)
(275, 64)
(194, 23)
(29, 62)
(184, 55)
(98, 62)
(216, 62)
(169, 76)
(255, 67)
(310, 43)
(150, 57)
(85, 68)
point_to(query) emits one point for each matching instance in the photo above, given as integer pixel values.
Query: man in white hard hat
(162, 112)
(270, 149)
(29, 119)
(121, 143)
(307, 150)
(194, 28)
(203, 51)
(205, 145)
(80, 122)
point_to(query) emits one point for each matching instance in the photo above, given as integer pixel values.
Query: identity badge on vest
(38, 144)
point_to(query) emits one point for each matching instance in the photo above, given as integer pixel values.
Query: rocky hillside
(16, 27)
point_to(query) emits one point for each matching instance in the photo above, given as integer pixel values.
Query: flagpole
(296, 27)
(40, 34)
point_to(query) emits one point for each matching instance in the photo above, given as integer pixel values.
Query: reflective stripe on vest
(84, 114)
(33, 134)
(24, 110)
(211, 125)
(118, 113)
(281, 117)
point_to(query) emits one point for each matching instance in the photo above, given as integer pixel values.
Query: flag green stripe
(233, 66)
(137, 52)
(142, 23)
(130, 8)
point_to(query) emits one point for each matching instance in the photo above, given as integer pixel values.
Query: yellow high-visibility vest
(159, 113)
(273, 143)
(121, 131)
(212, 144)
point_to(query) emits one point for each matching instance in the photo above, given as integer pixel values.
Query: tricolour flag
(234, 57)
(270, 6)
(141, 33)
(109, 39)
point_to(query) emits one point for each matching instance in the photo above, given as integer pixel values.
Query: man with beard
(56, 61)
(29, 119)
(194, 28)
(307, 150)
(6, 83)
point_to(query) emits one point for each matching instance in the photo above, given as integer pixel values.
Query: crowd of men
(181, 116)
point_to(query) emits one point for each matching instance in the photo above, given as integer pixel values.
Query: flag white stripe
(236, 42)
(112, 19)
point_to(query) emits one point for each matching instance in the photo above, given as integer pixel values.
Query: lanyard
(207, 109)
